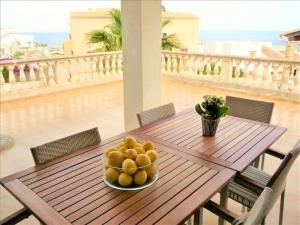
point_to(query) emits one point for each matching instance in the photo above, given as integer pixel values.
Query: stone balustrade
(21, 78)
(280, 78)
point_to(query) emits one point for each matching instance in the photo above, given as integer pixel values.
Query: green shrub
(5, 74)
(205, 70)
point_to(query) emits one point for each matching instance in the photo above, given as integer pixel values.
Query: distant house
(292, 38)
(12, 41)
(291, 35)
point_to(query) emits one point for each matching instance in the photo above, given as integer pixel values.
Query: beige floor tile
(34, 121)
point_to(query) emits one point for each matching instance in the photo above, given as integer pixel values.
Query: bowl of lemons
(130, 165)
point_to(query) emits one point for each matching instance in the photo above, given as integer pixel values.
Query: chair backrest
(258, 211)
(250, 109)
(278, 180)
(155, 114)
(65, 145)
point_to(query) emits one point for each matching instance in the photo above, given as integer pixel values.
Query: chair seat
(257, 175)
(245, 195)
(241, 194)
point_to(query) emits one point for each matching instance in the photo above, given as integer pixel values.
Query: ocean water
(55, 39)
(52, 39)
(269, 36)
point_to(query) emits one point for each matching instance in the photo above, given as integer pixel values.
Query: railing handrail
(220, 56)
(56, 58)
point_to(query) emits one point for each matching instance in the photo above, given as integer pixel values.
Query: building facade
(185, 25)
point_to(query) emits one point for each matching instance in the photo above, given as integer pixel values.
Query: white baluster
(189, 66)
(100, 66)
(94, 67)
(216, 68)
(284, 83)
(74, 71)
(36, 71)
(168, 63)
(107, 65)
(275, 76)
(120, 65)
(208, 67)
(256, 76)
(266, 81)
(237, 71)
(163, 64)
(246, 80)
(113, 65)
(175, 64)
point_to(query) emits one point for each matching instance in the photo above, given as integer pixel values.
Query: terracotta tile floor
(34, 121)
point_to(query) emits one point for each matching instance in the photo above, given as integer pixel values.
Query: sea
(55, 39)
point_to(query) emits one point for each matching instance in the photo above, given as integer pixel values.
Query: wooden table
(70, 189)
(238, 142)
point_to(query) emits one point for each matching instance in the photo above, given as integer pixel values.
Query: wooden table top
(70, 189)
(237, 143)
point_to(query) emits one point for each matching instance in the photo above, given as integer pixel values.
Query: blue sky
(36, 16)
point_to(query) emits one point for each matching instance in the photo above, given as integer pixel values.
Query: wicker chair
(51, 150)
(246, 187)
(155, 114)
(65, 145)
(256, 216)
(253, 110)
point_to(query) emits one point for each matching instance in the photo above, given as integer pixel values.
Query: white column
(141, 33)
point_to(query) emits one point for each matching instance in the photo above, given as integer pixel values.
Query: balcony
(276, 78)
(35, 110)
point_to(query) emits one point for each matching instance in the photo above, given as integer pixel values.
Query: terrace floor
(37, 120)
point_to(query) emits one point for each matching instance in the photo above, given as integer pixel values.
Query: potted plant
(27, 72)
(211, 110)
(5, 74)
(16, 71)
(36, 70)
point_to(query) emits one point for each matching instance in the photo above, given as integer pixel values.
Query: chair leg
(190, 222)
(16, 217)
(223, 203)
(256, 162)
(262, 161)
(243, 208)
(198, 217)
(281, 207)
(264, 221)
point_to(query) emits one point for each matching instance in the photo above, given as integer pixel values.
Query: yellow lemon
(152, 154)
(130, 154)
(151, 171)
(115, 159)
(143, 160)
(139, 150)
(106, 164)
(125, 179)
(129, 142)
(138, 145)
(148, 145)
(107, 151)
(112, 175)
(129, 166)
(122, 149)
(120, 145)
(140, 177)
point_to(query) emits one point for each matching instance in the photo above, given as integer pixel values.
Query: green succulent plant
(5, 74)
(213, 107)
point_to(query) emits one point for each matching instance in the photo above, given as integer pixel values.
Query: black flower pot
(209, 126)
